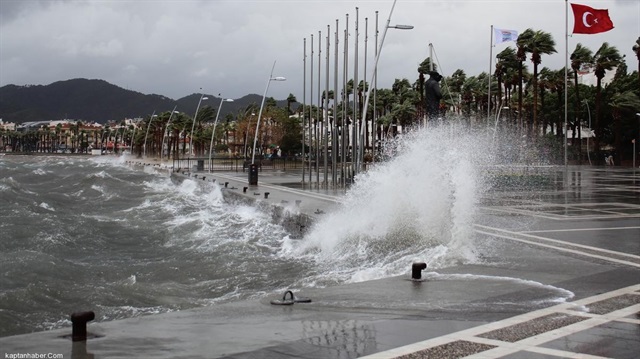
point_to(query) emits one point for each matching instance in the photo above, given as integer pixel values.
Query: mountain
(99, 101)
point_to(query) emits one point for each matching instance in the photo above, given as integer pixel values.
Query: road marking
(537, 209)
(580, 229)
(517, 234)
(532, 343)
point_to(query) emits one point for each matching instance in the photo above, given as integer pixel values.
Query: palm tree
(521, 55)
(605, 59)
(624, 105)
(506, 60)
(538, 43)
(545, 83)
(454, 85)
(579, 57)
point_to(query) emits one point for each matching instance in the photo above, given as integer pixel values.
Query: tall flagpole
(325, 125)
(304, 100)
(334, 138)
(311, 126)
(490, 63)
(566, 66)
(354, 122)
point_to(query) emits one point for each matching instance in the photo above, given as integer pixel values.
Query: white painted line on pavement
(528, 344)
(564, 249)
(580, 229)
(518, 234)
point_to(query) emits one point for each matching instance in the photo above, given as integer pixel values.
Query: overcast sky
(175, 47)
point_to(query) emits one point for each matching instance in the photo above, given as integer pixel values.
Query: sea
(95, 233)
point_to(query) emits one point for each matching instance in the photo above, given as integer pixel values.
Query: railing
(233, 164)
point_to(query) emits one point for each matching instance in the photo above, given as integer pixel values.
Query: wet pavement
(563, 281)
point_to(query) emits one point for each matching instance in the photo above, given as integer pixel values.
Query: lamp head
(279, 78)
(205, 98)
(228, 100)
(402, 27)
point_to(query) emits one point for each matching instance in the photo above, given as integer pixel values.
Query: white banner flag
(501, 35)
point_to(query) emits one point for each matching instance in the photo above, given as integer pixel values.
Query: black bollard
(79, 325)
(244, 189)
(266, 195)
(226, 184)
(416, 270)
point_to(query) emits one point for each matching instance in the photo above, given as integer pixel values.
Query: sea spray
(417, 206)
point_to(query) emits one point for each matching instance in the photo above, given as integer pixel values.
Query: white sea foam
(418, 206)
(46, 206)
(562, 295)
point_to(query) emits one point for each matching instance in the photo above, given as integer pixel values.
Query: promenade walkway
(562, 282)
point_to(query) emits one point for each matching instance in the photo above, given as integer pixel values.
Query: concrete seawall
(285, 212)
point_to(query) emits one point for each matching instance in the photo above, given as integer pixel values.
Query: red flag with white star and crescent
(588, 20)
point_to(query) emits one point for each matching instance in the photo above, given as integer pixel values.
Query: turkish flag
(588, 20)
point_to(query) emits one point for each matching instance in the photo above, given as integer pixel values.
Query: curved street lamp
(401, 27)
(202, 97)
(144, 152)
(215, 123)
(255, 138)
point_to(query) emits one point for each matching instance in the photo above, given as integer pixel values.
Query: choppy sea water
(92, 233)
(80, 233)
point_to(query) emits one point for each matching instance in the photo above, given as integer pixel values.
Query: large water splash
(419, 206)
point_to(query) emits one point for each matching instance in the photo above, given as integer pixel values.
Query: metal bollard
(79, 325)
(416, 270)
(244, 189)
(226, 184)
(266, 195)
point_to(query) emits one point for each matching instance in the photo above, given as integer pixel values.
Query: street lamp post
(264, 96)
(193, 125)
(215, 123)
(144, 146)
(253, 174)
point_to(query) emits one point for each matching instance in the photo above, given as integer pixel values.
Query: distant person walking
(433, 95)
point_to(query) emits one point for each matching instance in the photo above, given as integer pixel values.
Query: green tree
(624, 105)
(605, 59)
(290, 99)
(521, 54)
(537, 43)
(579, 57)
(506, 60)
